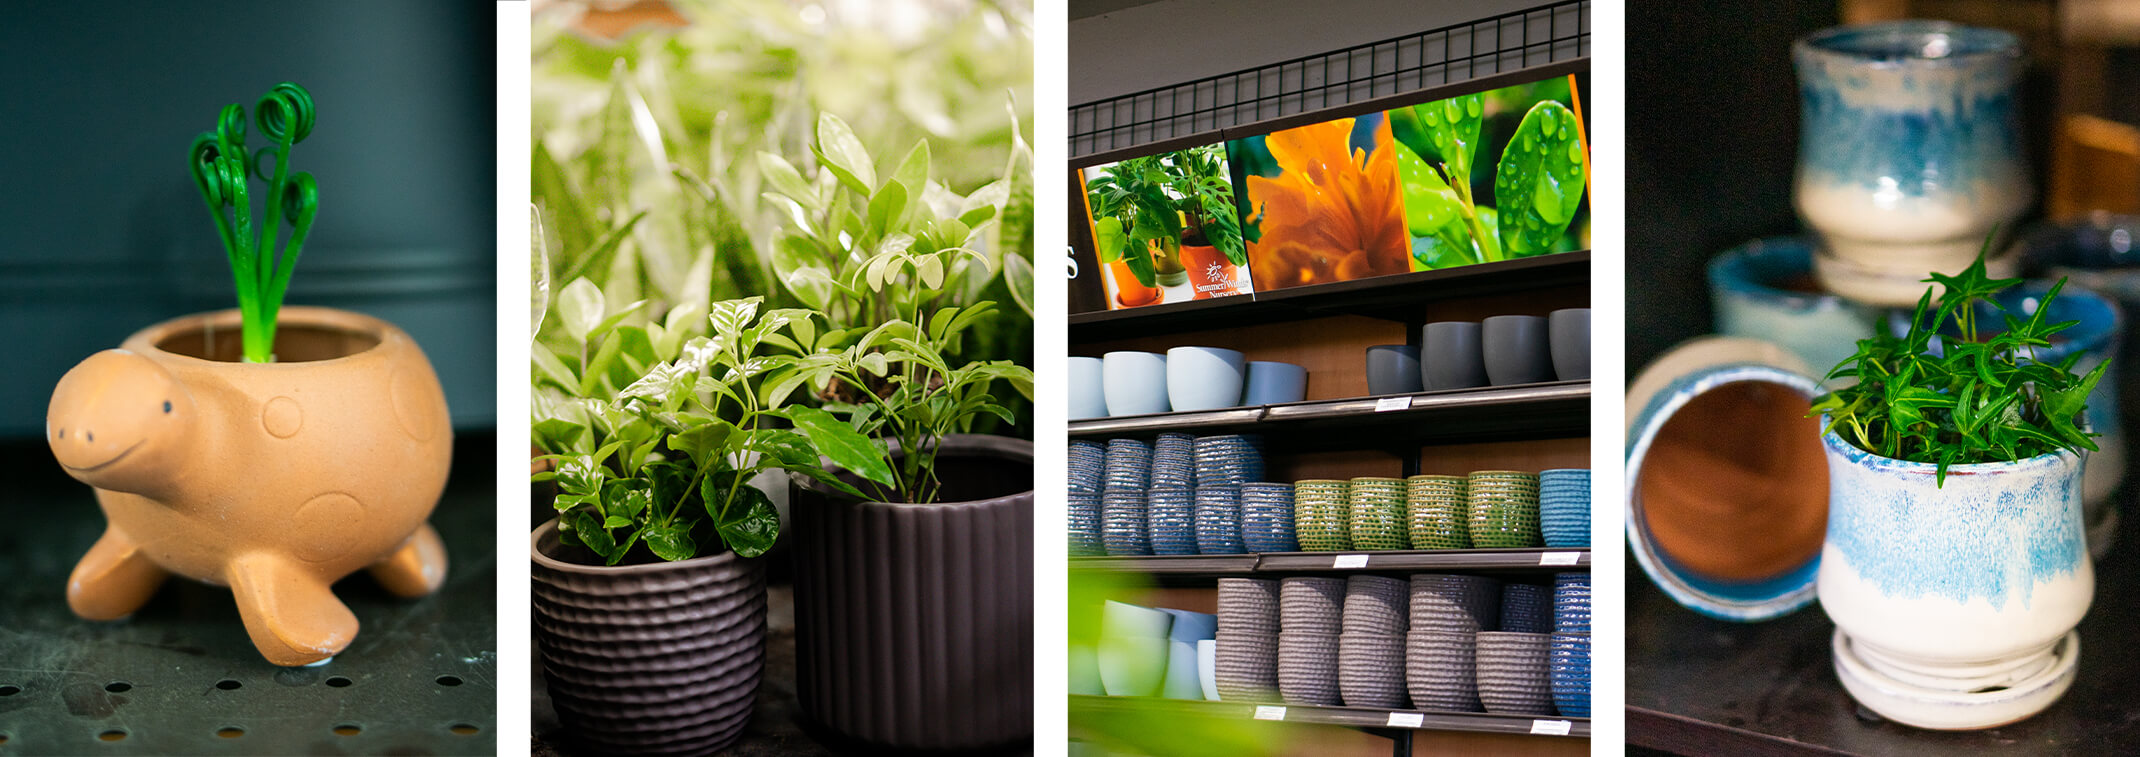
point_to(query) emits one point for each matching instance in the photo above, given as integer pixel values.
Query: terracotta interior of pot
(1734, 488)
(294, 343)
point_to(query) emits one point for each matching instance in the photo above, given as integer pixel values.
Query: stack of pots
(1176, 495)
(1503, 350)
(1453, 643)
(1484, 509)
(1185, 379)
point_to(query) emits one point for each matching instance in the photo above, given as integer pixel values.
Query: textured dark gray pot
(661, 658)
(914, 623)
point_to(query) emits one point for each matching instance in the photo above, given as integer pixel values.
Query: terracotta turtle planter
(274, 479)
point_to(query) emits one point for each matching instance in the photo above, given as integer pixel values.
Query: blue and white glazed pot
(1909, 151)
(1954, 604)
(1755, 290)
(2095, 336)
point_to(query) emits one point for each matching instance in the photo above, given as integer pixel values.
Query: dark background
(1712, 138)
(102, 231)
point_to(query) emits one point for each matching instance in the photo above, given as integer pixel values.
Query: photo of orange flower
(1333, 211)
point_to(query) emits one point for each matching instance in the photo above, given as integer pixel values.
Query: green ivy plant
(1538, 184)
(656, 430)
(1177, 198)
(1977, 397)
(223, 170)
(868, 250)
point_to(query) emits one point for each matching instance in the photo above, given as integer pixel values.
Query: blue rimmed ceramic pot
(1765, 289)
(2095, 336)
(1727, 486)
(1954, 602)
(1909, 151)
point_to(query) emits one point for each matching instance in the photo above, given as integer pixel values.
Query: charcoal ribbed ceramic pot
(659, 658)
(914, 623)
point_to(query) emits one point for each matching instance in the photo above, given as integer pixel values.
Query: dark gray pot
(914, 623)
(1516, 349)
(653, 659)
(1569, 332)
(1450, 356)
(1393, 369)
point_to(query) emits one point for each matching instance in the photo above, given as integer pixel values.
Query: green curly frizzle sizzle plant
(223, 170)
(1176, 198)
(1970, 399)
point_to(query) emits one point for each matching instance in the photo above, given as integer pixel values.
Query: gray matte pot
(914, 623)
(652, 659)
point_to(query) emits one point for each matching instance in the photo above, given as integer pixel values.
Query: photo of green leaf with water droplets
(1496, 175)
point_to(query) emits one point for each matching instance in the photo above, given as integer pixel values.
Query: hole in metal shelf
(230, 732)
(229, 684)
(118, 687)
(449, 680)
(465, 729)
(348, 729)
(338, 681)
(8, 691)
(112, 735)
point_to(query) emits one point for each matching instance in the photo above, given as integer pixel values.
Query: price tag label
(1407, 719)
(1387, 404)
(1559, 558)
(1275, 712)
(1550, 727)
(1349, 561)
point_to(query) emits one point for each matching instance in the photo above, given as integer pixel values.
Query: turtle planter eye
(267, 449)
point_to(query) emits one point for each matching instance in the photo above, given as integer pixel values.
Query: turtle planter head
(275, 479)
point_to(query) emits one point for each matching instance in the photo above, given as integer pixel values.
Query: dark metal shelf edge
(1353, 717)
(1425, 403)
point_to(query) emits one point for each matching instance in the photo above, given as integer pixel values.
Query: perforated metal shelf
(180, 677)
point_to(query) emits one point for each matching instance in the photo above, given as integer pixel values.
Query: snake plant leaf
(1540, 181)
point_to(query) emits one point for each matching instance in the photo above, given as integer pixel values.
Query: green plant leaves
(1443, 130)
(580, 307)
(841, 444)
(1540, 181)
(1949, 394)
(839, 151)
(751, 525)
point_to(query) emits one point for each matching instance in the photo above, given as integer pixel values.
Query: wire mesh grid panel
(1499, 44)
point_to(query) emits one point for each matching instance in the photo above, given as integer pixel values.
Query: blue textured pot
(1751, 287)
(1909, 151)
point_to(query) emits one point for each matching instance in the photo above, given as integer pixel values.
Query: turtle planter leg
(113, 580)
(293, 618)
(416, 568)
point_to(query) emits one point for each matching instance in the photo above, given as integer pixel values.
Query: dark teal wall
(102, 231)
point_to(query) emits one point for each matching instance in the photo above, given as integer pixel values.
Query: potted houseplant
(656, 429)
(913, 595)
(1955, 566)
(271, 449)
(1169, 219)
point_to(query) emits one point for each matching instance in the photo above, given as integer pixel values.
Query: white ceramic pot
(1936, 589)
(1205, 378)
(1135, 383)
(1088, 388)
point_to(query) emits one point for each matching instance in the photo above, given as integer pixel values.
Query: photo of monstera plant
(783, 275)
(1529, 202)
